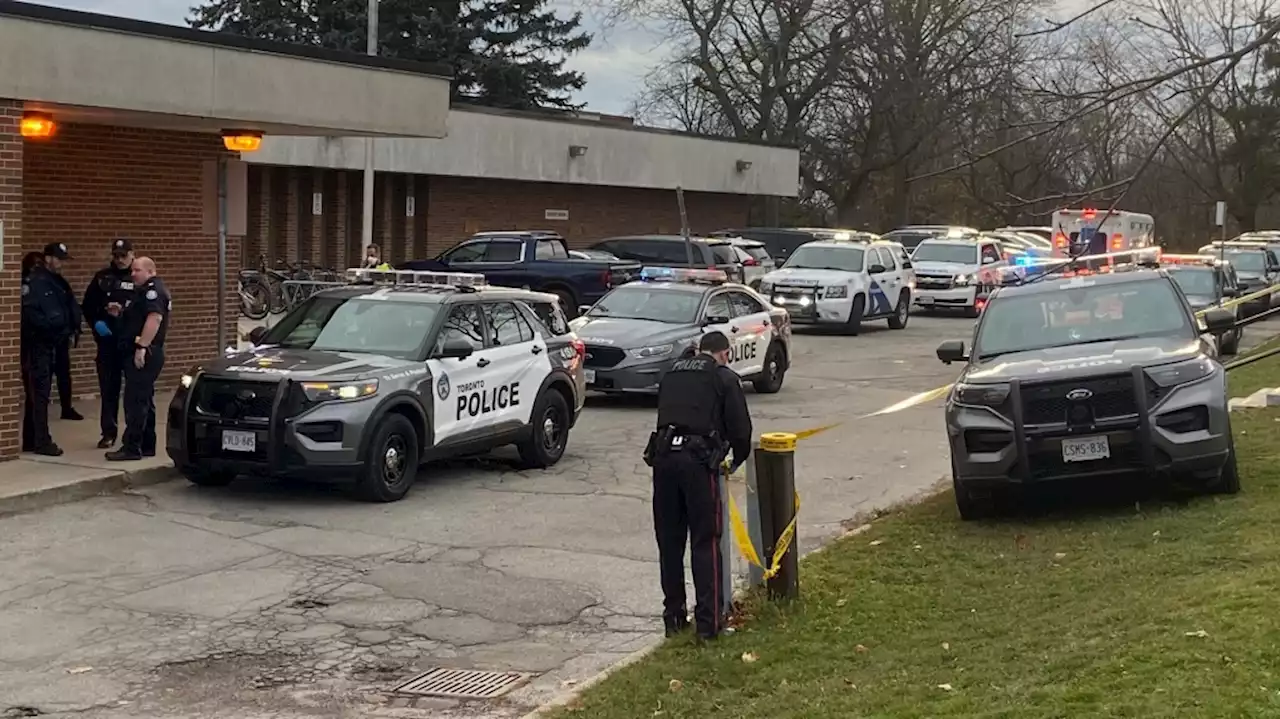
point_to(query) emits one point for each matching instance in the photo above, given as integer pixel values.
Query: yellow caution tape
(743, 539)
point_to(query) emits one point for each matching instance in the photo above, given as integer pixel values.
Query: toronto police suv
(844, 282)
(362, 383)
(634, 333)
(1096, 376)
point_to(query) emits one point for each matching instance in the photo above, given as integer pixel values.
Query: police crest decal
(442, 387)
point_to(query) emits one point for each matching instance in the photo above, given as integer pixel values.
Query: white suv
(947, 272)
(843, 282)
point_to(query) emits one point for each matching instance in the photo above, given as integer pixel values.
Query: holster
(659, 444)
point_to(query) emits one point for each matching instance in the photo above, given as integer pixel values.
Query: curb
(86, 488)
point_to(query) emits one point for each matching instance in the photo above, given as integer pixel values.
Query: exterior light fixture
(242, 140)
(37, 125)
(577, 150)
(743, 165)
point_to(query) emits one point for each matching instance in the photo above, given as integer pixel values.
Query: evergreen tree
(502, 53)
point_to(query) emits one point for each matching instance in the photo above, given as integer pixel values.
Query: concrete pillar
(11, 392)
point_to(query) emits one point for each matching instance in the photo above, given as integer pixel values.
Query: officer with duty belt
(49, 319)
(702, 414)
(144, 322)
(110, 290)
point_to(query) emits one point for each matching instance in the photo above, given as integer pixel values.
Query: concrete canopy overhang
(85, 67)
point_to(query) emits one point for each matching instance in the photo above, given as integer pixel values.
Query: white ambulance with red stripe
(1090, 231)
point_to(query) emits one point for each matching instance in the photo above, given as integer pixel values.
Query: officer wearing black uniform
(702, 414)
(104, 301)
(145, 324)
(48, 314)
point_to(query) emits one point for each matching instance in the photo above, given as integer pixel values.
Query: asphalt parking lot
(272, 600)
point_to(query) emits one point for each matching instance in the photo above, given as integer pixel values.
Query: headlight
(984, 395)
(1171, 375)
(654, 351)
(835, 292)
(326, 391)
(188, 380)
(963, 280)
(765, 287)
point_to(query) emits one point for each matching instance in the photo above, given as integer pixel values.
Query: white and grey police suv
(634, 333)
(842, 282)
(364, 382)
(947, 272)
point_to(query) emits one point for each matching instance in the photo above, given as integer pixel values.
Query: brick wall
(11, 392)
(93, 183)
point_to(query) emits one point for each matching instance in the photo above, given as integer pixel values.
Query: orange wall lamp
(37, 125)
(242, 140)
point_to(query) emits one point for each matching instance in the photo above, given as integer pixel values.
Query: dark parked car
(670, 251)
(782, 241)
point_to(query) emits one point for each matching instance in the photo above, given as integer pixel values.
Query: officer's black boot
(675, 625)
(50, 449)
(106, 442)
(123, 455)
(70, 413)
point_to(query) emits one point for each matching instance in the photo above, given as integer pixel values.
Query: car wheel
(901, 313)
(567, 303)
(775, 368)
(392, 464)
(1228, 482)
(548, 431)
(971, 505)
(206, 478)
(854, 323)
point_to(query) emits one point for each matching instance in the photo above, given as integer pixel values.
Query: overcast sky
(614, 65)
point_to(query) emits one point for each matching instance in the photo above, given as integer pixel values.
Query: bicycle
(255, 296)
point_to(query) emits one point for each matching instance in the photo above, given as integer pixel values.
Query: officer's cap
(713, 341)
(121, 246)
(57, 249)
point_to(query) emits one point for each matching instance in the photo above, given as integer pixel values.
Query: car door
(882, 291)
(718, 317)
(753, 333)
(520, 364)
(458, 380)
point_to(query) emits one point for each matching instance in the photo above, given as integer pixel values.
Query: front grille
(1048, 404)
(603, 357)
(233, 399)
(934, 282)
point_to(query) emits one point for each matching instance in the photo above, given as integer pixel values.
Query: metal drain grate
(462, 684)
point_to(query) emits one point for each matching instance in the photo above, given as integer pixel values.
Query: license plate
(1085, 449)
(924, 300)
(590, 374)
(237, 441)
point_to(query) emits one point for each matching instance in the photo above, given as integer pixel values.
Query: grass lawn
(1157, 608)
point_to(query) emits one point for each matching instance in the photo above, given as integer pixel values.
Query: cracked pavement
(278, 600)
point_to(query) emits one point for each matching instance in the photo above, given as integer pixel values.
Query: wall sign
(560, 215)
(410, 206)
(317, 203)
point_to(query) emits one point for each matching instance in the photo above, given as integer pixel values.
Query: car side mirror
(457, 349)
(952, 351)
(876, 269)
(256, 334)
(583, 309)
(1231, 292)
(1218, 321)
(715, 320)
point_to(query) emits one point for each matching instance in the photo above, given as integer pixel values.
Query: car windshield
(1195, 281)
(649, 303)
(909, 239)
(1081, 314)
(356, 324)
(1247, 261)
(946, 252)
(842, 259)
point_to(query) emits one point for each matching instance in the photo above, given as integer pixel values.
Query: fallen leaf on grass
(917, 547)
(675, 685)
(841, 602)
(1156, 533)
(861, 649)
(945, 687)
(1060, 555)
(946, 646)
(876, 542)
(1198, 634)
(749, 657)
(79, 670)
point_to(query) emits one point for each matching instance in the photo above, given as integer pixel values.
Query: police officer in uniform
(702, 414)
(144, 323)
(110, 290)
(47, 316)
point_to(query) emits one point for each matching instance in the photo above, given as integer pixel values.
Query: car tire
(972, 507)
(775, 369)
(392, 462)
(548, 431)
(854, 323)
(567, 303)
(1228, 482)
(206, 478)
(902, 312)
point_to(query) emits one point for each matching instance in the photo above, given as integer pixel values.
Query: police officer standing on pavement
(144, 323)
(702, 414)
(108, 293)
(48, 313)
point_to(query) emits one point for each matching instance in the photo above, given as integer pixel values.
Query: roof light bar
(683, 274)
(414, 278)
(1208, 260)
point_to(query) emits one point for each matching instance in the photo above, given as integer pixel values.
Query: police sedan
(634, 333)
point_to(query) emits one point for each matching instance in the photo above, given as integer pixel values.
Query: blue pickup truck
(537, 260)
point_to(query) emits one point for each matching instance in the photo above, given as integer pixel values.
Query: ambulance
(1090, 231)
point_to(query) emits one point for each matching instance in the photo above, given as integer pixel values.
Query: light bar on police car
(1188, 259)
(682, 274)
(415, 278)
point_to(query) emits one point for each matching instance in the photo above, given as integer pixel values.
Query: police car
(842, 282)
(364, 382)
(634, 333)
(1208, 282)
(949, 271)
